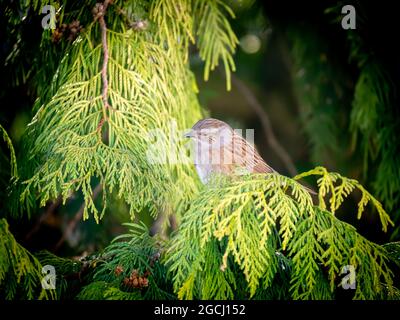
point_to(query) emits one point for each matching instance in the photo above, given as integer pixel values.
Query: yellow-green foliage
(374, 124)
(140, 252)
(20, 271)
(152, 97)
(216, 38)
(338, 188)
(331, 108)
(101, 290)
(13, 161)
(323, 241)
(234, 233)
(249, 222)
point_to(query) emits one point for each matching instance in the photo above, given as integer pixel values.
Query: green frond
(66, 138)
(373, 121)
(307, 254)
(222, 282)
(367, 108)
(324, 241)
(322, 93)
(74, 140)
(101, 290)
(278, 289)
(13, 160)
(328, 187)
(20, 269)
(242, 216)
(139, 253)
(65, 268)
(216, 40)
(243, 224)
(113, 293)
(174, 22)
(393, 250)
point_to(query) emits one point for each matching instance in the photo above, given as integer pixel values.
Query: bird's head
(211, 131)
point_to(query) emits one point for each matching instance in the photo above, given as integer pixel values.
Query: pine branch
(99, 12)
(132, 267)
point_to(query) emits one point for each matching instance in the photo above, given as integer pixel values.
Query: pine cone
(145, 282)
(127, 282)
(118, 270)
(74, 29)
(57, 35)
(134, 273)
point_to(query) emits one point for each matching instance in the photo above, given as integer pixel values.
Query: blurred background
(315, 94)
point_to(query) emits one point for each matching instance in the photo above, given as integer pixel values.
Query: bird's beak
(189, 134)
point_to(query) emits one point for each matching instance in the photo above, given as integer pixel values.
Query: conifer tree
(114, 92)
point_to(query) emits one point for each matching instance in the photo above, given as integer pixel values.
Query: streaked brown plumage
(219, 149)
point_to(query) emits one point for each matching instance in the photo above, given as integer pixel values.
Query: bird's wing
(249, 157)
(252, 161)
(261, 166)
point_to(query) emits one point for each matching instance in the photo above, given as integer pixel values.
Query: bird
(218, 149)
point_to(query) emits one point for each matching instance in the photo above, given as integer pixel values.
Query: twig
(43, 217)
(78, 216)
(266, 124)
(99, 12)
(105, 52)
(157, 226)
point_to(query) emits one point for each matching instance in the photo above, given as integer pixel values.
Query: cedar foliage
(249, 223)
(366, 125)
(260, 237)
(130, 269)
(20, 271)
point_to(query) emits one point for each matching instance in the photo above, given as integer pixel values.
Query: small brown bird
(219, 149)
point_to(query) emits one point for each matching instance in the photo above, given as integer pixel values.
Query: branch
(99, 12)
(50, 210)
(158, 225)
(105, 53)
(78, 216)
(266, 123)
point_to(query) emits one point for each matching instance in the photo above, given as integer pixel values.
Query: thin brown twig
(266, 124)
(49, 211)
(99, 12)
(78, 216)
(103, 26)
